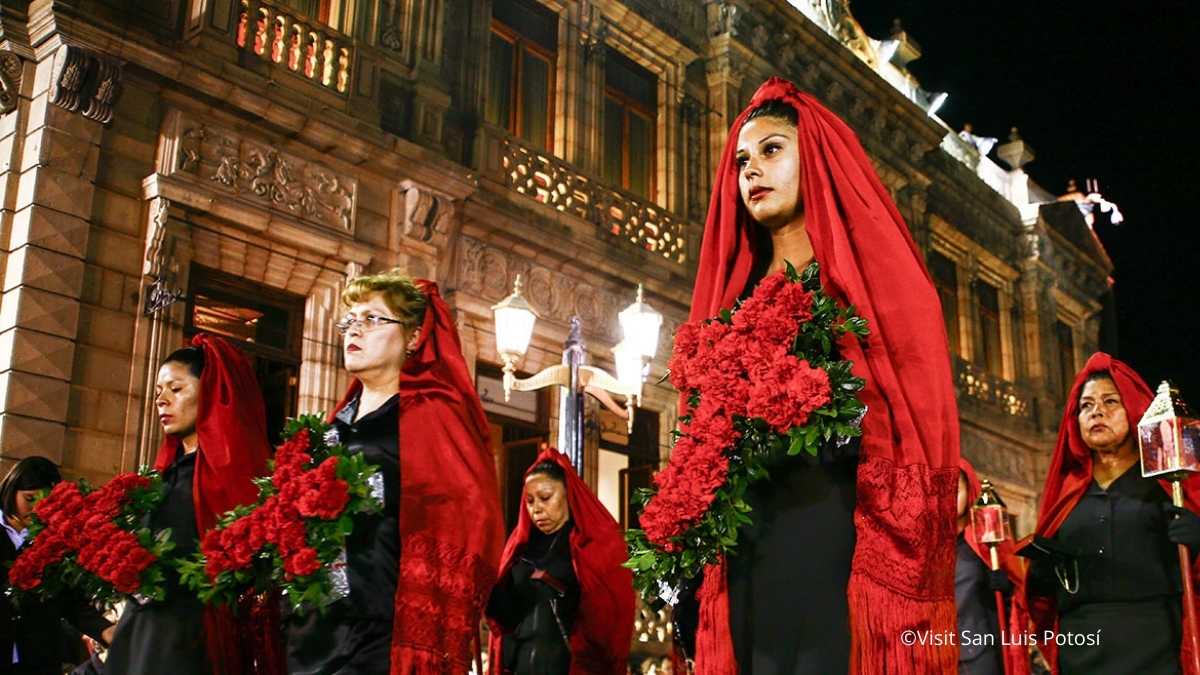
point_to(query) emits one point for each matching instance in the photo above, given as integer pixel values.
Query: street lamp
(640, 325)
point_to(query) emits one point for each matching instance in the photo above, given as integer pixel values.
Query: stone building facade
(168, 166)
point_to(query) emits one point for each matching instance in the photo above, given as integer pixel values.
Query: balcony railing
(975, 383)
(553, 182)
(305, 47)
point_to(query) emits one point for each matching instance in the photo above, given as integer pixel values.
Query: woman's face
(1103, 423)
(177, 397)
(24, 503)
(382, 348)
(546, 501)
(769, 172)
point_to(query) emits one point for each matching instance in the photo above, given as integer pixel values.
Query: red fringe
(879, 617)
(714, 644)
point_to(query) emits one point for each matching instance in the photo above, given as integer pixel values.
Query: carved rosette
(258, 172)
(86, 83)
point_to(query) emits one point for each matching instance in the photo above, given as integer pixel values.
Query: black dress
(977, 617)
(45, 633)
(543, 616)
(1127, 586)
(353, 636)
(168, 636)
(787, 583)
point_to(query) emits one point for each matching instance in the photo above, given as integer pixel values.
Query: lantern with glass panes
(1169, 441)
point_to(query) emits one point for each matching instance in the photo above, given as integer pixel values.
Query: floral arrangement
(294, 536)
(93, 541)
(762, 383)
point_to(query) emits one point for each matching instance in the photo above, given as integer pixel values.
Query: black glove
(998, 581)
(1183, 526)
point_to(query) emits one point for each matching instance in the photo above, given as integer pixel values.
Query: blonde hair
(398, 291)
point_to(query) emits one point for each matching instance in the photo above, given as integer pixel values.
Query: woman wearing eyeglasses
(412, 411)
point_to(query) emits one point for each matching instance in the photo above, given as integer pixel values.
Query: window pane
(1066, 354)
(498, 106)
(641, 154)
(989, 326)
(632, 80)
(945, 279)
(529, 19)
(613, 141)
(535, 97)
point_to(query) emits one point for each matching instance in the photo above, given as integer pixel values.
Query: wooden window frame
(629, 106)
(520, 44)
(983, 361)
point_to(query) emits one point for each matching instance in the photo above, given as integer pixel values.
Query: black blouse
(373, 548)
(1120, 538)
(538, 618)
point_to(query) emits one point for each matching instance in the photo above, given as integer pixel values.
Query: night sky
(1099, 90)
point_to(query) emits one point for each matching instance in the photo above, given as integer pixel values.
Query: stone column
(48, 239)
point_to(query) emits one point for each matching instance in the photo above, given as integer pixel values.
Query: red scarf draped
(450, 524)
(233, 450)
(600, 640)
(1070, 475)
(907, 476)
(1016, 655)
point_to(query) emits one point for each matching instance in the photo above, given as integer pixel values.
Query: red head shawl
(1016, 656)
(1070, 475)
(232, 451)
(450, 524)
(601, 638)
(907, 476)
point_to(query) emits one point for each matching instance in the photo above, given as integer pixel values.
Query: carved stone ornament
(10, 81)
(86, 83)
(257, 171)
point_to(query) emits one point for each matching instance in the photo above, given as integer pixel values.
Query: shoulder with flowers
(761, 382)
(294, 536)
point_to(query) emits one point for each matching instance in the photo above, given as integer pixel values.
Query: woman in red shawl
(1104, 564)
(975, 588)
(419, 572)
(848, 552)
(215, 444)
(564, 603)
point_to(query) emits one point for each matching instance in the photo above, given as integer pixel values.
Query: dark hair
(549, 469)
(31, 473)
(775, 108)
(192, 357)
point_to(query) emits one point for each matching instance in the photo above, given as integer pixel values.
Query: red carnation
(302, 563)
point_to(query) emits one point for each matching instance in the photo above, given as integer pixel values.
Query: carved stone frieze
(86, 83)
(10, 81)
(257, 171)
(488, 272)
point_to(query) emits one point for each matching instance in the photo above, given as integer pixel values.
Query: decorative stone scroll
(86, 83)
(10, 81)
(257, 171)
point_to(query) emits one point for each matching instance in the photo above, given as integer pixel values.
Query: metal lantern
(1169, 437)
(988, 515)
(514, 329)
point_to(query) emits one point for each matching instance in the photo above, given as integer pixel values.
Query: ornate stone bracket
(11, 66)
(84, 82)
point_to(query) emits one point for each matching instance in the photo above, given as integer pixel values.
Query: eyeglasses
(367, 323)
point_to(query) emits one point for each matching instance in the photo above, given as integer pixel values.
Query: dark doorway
(265, 322)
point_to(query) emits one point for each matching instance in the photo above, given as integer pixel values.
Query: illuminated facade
(225, 165)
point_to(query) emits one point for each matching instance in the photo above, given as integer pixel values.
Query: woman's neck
(790, 244)
(1109, 466)
(190, 442)
(375, 392)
